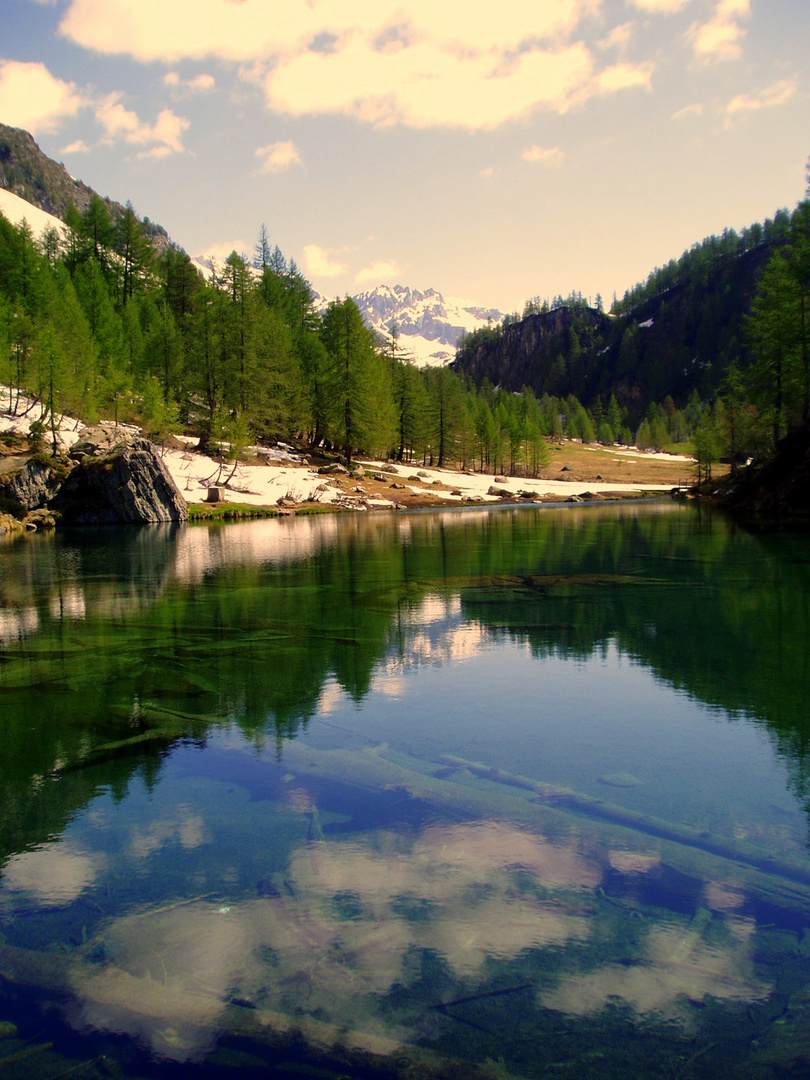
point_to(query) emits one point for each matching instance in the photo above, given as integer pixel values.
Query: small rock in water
(620, 779)
(7, 1030)
(267, 889)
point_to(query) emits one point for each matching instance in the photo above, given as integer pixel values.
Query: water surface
(499, 793)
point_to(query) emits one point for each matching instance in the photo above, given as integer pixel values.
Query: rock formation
(127, 484)
(34, 483)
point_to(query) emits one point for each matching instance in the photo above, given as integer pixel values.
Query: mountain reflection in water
(482, 793)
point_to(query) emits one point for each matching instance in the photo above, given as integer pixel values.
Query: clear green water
(474, 794)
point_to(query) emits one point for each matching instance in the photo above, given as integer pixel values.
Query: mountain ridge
(429, 324)
(27, 172)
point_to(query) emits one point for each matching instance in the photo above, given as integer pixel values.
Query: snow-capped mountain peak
(429, 324)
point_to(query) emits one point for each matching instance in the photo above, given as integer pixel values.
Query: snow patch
(16, 209)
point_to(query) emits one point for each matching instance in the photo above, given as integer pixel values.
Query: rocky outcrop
(9, 524)
(778, 489)
(34, 483)
(29, 173)
(102, 438)
(129, 484)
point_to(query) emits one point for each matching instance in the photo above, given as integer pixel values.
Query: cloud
(151, 30)
(379, 271)
(77, 147)
(721, 37)
(424, 86)
(278, 157)
(199, 84)
(624, 77)
(777, 94)
(421, 65)
(121, 123)
(55, 873)
(487, 173)
(550, 156)
(320, 262)
(34, 99)
(619, 37)
(666, 7)
(218, 253)
(689, 110)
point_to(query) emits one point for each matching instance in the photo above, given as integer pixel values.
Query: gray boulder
(100, 439)
(33, 483)
(128, 485)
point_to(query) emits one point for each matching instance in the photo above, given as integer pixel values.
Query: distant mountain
(27, 172)
(430, 325)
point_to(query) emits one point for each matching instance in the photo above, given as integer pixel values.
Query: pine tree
(350, 356)
(135, 253)
(261, 250)
(772, 336)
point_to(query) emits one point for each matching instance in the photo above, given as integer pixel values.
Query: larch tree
(351, 362)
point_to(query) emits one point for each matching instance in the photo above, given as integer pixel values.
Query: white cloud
(624, 77)
(379, 61)
(55, 873)
(379, 271)
(118, 122)
(34, 99)
(487, 173)
(667, 7)
(721, 37)
(550, 156)
(321, 263)
(689, 110)
(424, 86)
(77, 147)
(154, 30)
(278, 157)
(180, 87)
(619, 37)
(219, 252)
(777, 94)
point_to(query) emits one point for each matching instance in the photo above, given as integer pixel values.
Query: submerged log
(675, 832)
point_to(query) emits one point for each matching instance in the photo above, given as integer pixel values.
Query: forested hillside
(27, 172)
(110, 319)
(674, 335)
(100, 323)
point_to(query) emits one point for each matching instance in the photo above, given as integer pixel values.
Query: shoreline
(285, 479)
(308, 486)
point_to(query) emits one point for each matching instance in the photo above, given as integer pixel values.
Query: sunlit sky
(494, 151)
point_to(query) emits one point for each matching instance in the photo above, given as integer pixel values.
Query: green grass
(233, 511)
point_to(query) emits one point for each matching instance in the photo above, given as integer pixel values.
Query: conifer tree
(772, 334)
(358, 409)
(135, 254)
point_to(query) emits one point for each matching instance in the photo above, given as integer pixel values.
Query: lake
(484, 793)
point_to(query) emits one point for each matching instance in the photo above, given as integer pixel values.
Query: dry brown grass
(611, 465)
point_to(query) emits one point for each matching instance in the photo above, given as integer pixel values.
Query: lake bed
(499, 793)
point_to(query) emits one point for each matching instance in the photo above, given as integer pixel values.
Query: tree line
(94, 321)
(711, 350)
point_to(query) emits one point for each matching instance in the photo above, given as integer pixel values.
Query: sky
(495, 152)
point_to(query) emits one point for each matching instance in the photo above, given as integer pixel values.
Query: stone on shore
(128, 485)
(34, 483)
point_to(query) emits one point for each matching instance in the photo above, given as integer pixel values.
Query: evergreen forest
(101, 321)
